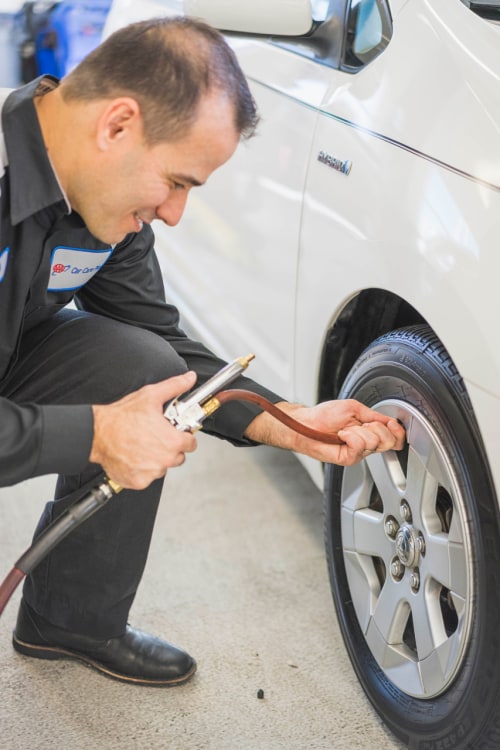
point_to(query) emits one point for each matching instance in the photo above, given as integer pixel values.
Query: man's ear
(119, 119)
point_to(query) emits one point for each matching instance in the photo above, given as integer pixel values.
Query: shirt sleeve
(37, 440)
(129, 288)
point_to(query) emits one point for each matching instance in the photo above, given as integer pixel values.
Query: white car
(354, 246)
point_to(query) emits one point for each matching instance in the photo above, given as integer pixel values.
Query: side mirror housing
(269, 17)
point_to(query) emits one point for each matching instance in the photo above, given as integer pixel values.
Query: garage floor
(236, 575)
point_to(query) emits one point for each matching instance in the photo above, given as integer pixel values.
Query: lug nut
(415, 580)
(405, 511)
(420, 542)
(391, 527)
(397, 569)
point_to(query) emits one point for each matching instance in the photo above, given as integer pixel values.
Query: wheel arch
(368, 315)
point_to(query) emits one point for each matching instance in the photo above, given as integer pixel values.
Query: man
(88, 164)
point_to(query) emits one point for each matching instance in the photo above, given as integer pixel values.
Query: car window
(368, 32)
(488, 9)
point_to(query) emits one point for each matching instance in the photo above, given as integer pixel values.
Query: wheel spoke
(435, 668)
(356, 487)
(363, 531)
(422, 486)
(388, 477)
(391, 612)
(428, 623)
(446, 563)
(364, 585)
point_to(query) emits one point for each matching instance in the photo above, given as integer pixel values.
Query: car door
(231, 264)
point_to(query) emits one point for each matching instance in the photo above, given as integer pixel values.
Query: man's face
(136, 184)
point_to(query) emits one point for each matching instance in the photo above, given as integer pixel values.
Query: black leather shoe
(135, 656)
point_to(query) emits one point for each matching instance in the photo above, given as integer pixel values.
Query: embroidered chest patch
(72, 267)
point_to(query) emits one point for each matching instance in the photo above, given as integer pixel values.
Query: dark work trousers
(88, 582)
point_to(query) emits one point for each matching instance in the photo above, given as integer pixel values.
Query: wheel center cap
(407, 548)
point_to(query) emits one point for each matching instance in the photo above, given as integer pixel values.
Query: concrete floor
(237, 576)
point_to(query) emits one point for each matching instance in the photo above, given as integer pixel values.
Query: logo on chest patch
(4, 256)
(72, 267)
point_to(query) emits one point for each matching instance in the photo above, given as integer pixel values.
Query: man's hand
(363, 430)
(133, 442)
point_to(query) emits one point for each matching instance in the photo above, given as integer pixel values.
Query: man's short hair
(167, 65)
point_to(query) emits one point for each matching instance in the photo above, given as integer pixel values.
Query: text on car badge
(340, 165)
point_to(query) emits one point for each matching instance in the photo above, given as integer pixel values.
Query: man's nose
(172, 208)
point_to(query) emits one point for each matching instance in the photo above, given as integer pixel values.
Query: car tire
(413, 549)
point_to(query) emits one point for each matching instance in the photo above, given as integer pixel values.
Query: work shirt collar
(33, 181)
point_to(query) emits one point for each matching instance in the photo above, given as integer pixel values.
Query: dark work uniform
(56, 361)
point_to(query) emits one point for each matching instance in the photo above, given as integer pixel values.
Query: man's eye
(178, 186)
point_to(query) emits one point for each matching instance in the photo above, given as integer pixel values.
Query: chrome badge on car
(338, 164)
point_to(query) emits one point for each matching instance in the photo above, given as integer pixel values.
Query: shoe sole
(54, 652)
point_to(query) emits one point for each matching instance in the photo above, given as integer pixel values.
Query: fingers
(368, 416)
(399, 433)
(150, 461)
(374, 437)
(168, 389)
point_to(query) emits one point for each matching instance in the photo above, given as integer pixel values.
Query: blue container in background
(56, 36)
(35, 48)
(74, 29)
